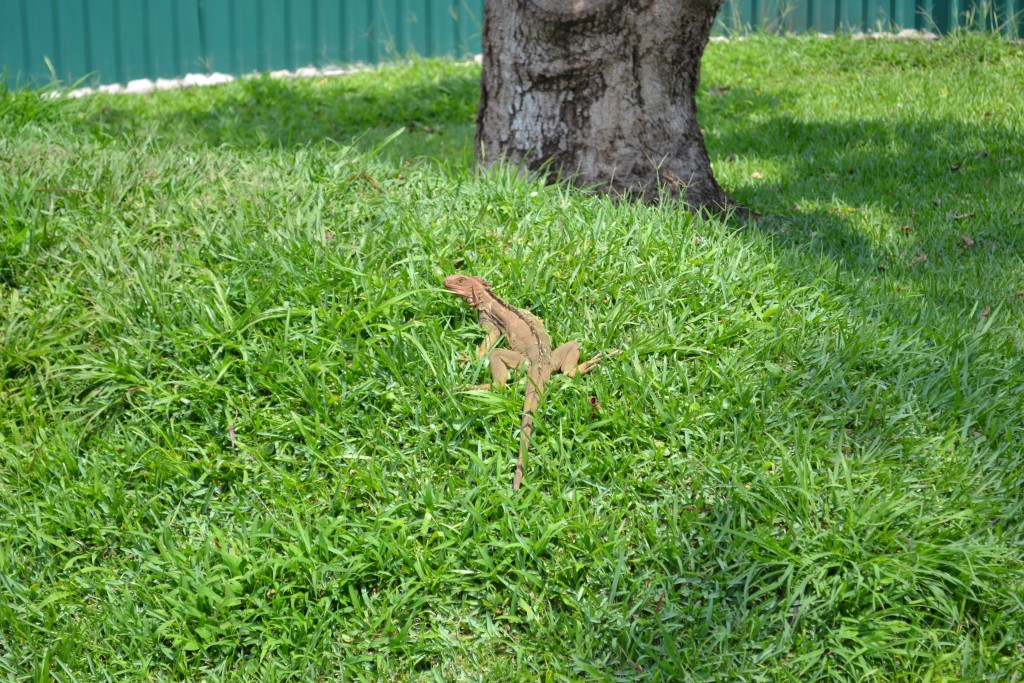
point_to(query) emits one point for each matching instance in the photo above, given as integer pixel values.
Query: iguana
(529, 344)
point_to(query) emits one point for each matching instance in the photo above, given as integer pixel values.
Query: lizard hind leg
(593, 362)
(565, 357)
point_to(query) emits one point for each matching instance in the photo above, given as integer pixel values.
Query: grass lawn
(230, 448)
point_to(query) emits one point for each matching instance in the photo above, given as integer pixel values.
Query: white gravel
(143, 86)
(905, 34)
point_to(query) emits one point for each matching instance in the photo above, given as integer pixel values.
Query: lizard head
(468, 287)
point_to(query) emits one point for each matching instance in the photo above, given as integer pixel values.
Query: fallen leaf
(905, 228)
(756, 175)
(921, 256)
(720, 91)
(595, 404)
(987, 115)
(1019, 294)
(697, 240)
(968, 242)
(985, 311)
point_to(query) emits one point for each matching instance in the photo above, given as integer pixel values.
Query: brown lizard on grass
(529, 344)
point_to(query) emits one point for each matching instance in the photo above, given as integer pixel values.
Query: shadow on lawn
(267, 111)
(883, 195)
(893, 164)
(948, 177)
(436, 113)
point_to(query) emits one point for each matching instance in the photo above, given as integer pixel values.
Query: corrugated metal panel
(831, 16)
(120, 40)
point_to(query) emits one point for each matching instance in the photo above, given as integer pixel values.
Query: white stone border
(905, 34)
(144, 86)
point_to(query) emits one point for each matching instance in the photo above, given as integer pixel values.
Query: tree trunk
(600, 92)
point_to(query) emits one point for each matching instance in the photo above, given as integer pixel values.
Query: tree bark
(600, 92)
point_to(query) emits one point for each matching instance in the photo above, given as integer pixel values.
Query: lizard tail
(524, 445)
(534, 386)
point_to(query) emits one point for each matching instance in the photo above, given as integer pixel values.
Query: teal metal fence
(120, 40)
(832, 16)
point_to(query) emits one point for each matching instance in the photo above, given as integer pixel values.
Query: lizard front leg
(502, 360)
(493, 334)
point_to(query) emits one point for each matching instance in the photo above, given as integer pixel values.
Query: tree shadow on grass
(434, 106)
(936, 204)
(267, 111)
(896, 196)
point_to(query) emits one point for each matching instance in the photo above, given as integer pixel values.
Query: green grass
(230, 449)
